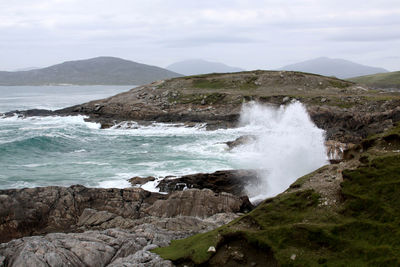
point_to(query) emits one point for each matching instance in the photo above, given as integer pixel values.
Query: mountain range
(339, 68)
(94, 71)
(200, 66)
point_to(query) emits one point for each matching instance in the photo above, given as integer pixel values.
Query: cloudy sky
(256, 34)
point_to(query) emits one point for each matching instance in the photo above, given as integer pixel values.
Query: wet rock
(29, 113)
(140, 180)
(230, 181)
(242, 140)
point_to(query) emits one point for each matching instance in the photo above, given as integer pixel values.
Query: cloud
(251, 34)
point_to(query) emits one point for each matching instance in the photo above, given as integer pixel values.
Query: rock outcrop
(346, 111)
(199, 203)
(104, 227)
(39, 210)
(230, 181)
(33, 211)
(111, 247)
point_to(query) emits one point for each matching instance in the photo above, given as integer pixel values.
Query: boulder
(242, 140)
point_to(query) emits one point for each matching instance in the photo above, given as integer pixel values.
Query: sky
(257, 34)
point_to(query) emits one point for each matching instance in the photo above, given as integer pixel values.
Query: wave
(156, 129)
(288, 145)
(51, 121)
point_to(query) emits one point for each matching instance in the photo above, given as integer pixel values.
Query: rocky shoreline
(346, 111)
(75, 226)
(79, 226)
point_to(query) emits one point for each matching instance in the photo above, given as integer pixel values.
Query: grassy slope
(382, 80)
(271, 87)
(364, 230)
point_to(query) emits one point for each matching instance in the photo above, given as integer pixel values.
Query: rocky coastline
(76, 226)
(79, 226)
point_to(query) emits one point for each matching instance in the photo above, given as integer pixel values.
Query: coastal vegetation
(389, 80)
(298, 228)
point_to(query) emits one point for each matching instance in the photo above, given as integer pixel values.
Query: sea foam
(287, 146)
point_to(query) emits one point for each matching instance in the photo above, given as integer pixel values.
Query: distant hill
(26, 69)
(389, 80)
(95, 71)
(199, 66)
(339, 68)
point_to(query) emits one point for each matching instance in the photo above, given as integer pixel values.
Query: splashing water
(288, 145)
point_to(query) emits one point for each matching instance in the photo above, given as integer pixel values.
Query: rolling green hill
(380, 80)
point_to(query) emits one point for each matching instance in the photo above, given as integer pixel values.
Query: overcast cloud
(257, 34)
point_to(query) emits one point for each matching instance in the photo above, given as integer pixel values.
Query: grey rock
(91, 217)
(111, 247)
(141, 259)
(197, 203)
(41, 210)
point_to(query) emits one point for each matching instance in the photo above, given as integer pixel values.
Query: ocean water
(42, 151)
(53, 97)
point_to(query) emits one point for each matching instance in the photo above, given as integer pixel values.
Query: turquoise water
(41, 151)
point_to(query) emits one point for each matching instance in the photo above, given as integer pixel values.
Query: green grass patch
(339, 83)
(193, 248)
(209, 83)
(198, 99)
(380, 80)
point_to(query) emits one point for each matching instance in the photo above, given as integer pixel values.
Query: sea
(63, 151)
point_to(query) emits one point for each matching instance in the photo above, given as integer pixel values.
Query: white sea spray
(287, 146)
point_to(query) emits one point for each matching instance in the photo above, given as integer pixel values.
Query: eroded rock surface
(39, 210)
(32, 211)
(198, 203)
(110, 247)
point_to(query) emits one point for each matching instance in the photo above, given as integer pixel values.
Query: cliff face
(345, 110)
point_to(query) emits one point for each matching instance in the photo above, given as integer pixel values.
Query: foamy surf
(287, 146)
(68, 150)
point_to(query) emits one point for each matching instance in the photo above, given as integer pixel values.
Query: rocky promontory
(346, 111)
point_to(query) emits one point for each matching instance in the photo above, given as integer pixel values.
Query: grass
(209, 84)
(364, 231)
(380, 80)
(339, 83)
(206, 99)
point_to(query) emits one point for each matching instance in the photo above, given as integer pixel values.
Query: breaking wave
(287, 146)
